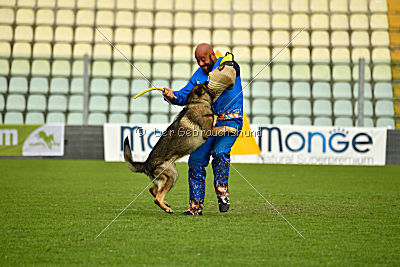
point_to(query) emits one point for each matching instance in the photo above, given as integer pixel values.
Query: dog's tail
(133, 166)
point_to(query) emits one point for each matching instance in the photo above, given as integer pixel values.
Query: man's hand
(169, 94)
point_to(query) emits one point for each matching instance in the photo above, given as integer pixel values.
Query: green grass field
(52, 210)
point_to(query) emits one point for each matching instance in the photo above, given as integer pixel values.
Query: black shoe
(223, 203)
(188, 212)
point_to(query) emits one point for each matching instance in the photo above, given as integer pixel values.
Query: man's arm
(179, 97)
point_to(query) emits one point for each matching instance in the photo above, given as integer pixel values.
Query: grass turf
(52, 210)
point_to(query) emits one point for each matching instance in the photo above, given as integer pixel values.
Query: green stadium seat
(259, 89)
(283, 57)
(3, 85)
(247, 105)
(260, 37)
(40, 68)
(242, 54)
(340, 55)
(381, 55)
(57, 103)
(260, 120)
(302, 121)
(1, 103)
(368, 122)
(385, 122)
(23, 34)
(105, 18)
(62, 51)
(117, 118)
(120, 87)
(43, 34)
(34, 118)
(121, 69)
(5, 50)
(382, 73)
(178, 84)
(280, 72)
(98, 103)
(142, 36)
(301, 90)
(55, 117)
(15, 102)
(380, 38)
(367, 73)
(75, 118)
(321, 90)
(322, 108)
(99, 86)
(342, 90)
(319, 21)
(340, 38)
(101, 69)
(36, 103)
(360, 52)
(13, 118)
(20, 67)
(142, 69)
(65, 17)
(163, 36)
(21, 50)
(61, 68)
(76, 86)
(182, 37)
(383, 90)
(138, 85)
(281, 120)
(345, 122)
(75, 103)
(279, 38)
(144, 19)
(138, 118)
(59, 86)
(321, 73)
(39, 85)
(367, 91)
(320, 55)
(63, 34)
(85, 18)
(161, 70)
(6, 16)
(339, 21)
(260, 107)
(45, 17)
(260, 6)
(158, 105)
(181, 71)
(343, 108)
(322, 121)
(18, 85)
(384, 108)
(181, 53)
(6, 33)
(341, 73)
(319, 38)
(41, 51)
(4, 67)
(119, 104)
(368, 108)
(281, 107)
(159, 118)
(301, 107)
(359, 22)
(280, 90)
(300, 55)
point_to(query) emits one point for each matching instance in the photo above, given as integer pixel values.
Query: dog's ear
(189, 98)
(199, 90)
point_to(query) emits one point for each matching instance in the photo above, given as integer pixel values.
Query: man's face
(205, 62)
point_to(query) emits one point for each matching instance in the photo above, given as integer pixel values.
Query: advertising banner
(278, 144)
(329, 145)
(32, 140)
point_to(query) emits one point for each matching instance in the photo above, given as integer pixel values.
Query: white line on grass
(116, 217)
(266, 200)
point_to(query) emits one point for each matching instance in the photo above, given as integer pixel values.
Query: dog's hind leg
(165, 182)
(153, 191)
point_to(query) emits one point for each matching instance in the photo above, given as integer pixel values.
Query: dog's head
(200, 91)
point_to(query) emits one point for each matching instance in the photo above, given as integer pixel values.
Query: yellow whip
(148, 90)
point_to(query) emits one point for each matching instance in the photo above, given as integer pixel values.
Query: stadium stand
(313, 81)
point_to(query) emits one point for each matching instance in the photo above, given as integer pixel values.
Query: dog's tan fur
(196, 117)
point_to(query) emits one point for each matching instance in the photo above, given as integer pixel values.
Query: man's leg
(220, 164)
(198, 160)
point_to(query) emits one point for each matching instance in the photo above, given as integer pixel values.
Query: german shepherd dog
(190, 129)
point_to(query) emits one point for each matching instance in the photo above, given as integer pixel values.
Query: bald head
(205, 57)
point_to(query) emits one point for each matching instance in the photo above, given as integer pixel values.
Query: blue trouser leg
(198, 162)
(219, 147)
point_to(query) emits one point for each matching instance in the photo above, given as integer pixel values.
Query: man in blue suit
(228, 107)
